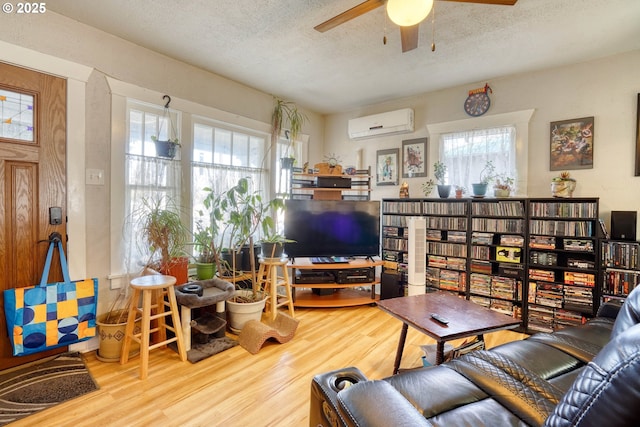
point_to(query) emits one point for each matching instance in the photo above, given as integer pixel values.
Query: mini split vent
(393, 122)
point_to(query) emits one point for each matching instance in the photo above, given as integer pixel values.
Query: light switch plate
(94, 177)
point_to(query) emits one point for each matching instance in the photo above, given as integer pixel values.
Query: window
(465, 175)
(222, 155)
(466, 154)
(148, 178)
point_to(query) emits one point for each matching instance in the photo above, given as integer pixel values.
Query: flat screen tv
(326, 228)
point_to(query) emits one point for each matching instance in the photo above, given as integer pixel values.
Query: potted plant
(460, 190)
(563, 185)
(206, 259)
(502, 185)
(286, 113)
(166, 148)
(487, 175)
(440, 171)
(166, 238)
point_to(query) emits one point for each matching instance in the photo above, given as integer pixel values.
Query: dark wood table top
(465, 317)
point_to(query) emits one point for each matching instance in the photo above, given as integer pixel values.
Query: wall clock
(478, 101)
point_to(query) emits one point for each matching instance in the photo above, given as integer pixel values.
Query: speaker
(623, 225)
(390, 286)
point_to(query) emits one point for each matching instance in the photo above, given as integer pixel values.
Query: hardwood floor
(236, 388)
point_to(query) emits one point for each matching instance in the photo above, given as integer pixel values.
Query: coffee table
(465, 319)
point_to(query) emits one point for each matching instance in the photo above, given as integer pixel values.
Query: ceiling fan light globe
(407, 13)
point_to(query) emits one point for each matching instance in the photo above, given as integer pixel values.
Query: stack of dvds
(480, 284)
(578, 298)
(503, 287)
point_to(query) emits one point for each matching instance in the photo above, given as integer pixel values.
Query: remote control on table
(439, 318)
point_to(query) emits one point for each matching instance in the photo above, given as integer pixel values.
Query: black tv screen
(324, 228)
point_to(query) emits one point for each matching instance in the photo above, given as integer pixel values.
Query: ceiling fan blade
(409, 37)
(497, 2)
(348, 15)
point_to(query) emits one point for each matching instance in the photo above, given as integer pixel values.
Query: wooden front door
(32, 180)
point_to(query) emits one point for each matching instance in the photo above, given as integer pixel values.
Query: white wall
(606, 89)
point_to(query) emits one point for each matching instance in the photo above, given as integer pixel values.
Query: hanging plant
(166, 148)
(286, 113)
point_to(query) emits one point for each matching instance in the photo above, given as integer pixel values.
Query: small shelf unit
(339, 294)
(355, 186)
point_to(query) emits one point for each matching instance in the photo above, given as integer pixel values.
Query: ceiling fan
(409, 30)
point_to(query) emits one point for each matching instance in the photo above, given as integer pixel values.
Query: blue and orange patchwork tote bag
(51, 315)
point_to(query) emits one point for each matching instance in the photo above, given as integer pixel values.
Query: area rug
(27, 390)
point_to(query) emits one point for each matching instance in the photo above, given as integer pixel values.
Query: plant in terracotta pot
(487, 175)
(440, 172)
(166, 237)
(460, 190)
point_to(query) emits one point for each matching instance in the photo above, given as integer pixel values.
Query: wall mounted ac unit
(417, 253)
(399, 121)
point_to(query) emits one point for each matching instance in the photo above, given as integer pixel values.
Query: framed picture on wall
(414, 158)
(387, 165)
(572, 144)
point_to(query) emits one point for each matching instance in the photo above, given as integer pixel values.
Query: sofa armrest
(377, 403)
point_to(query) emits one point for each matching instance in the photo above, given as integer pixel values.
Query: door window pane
(16, 115)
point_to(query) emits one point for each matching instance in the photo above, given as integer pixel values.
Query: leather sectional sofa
(587, 375)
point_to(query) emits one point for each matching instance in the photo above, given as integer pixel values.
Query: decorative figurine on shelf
(404, 190)
(563, 185)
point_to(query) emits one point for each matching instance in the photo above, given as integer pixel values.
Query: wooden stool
(268, 281)
(152, 288)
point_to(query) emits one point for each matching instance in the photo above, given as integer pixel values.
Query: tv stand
(343, 295)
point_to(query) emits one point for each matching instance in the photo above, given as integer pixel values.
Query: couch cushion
(541, 359)
(446, 398)
(516, 388)
(607, 391)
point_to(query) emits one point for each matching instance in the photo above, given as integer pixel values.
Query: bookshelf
(498, 235)
(620, 266)
(536, 259)
(447, 247)
(562, 262)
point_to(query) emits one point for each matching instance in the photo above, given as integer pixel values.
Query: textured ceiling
(271, 44)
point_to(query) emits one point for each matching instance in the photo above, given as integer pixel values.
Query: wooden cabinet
(334, 285)
(327, 186)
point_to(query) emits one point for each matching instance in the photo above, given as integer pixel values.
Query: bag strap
(47, 264)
